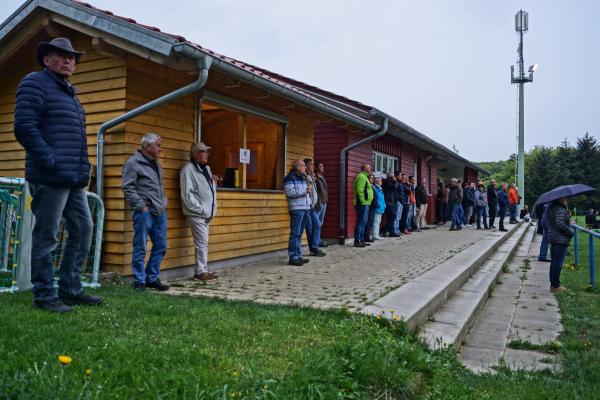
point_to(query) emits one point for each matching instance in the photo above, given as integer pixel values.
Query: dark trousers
(404, 217)
(369, 225)
(441, 211)
(501, 216)
(480, 210)
(390, 212)
(492, 207)
(362, 215)
(558, 253)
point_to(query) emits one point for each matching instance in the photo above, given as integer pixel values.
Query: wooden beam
(20, 37)
(52, 29)
(107, 49)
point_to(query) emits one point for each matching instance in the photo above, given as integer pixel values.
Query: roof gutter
(280, 89)
(204, 64)
(343, 153)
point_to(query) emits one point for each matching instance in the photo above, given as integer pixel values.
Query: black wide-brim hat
(62, 45)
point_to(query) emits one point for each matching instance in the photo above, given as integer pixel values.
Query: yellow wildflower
(64, 360)
(396, 318)
(88, 372)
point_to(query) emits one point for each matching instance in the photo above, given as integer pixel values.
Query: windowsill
(222, 189)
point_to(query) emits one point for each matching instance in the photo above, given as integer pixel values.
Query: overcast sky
(442, 67)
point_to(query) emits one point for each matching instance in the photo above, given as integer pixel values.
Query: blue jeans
(313, 230)
(362, 214)
(147, 224)
(399, 208)
(468, 214)
(544, 245)
(49, 204)
(558, 253)
(298, 220)
(512, 209)
(410, 216)
(481, 214)
(403, 224)
(456, 220)
(376, 225)
(322, 213)
(461, 214)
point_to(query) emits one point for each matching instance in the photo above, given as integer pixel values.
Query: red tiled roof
(289, 83)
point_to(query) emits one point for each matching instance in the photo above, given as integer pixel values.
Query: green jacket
(363, 191)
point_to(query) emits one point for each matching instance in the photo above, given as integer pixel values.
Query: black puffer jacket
(50, 125)
(559, 224)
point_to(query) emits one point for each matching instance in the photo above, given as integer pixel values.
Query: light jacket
(198, 195)
(295, 188)
(379, 195)
(363, 191)
(481, 198)
(142, 185)
(50, 125)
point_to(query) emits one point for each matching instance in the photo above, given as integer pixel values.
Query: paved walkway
(347, 277)
(521, 309)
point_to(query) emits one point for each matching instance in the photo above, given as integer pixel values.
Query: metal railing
(11, 205)
(591, 236)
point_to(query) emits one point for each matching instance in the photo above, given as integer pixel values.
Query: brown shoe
(205, 276)
(559, 289)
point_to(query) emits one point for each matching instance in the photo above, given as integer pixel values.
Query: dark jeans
(298, 220)
(481, 211)
(501, 215)
(369, 225)
(492, 207)
(390, 212)
(558, 253)
(362, 214)
(49, 204)
(147, 224)
(313, 229)
(544, 245)
(404, 217)
(512, 208)
(441, 210)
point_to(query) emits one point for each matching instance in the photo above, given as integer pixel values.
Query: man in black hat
(50, 125)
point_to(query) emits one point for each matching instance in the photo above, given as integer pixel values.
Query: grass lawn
(150, 346)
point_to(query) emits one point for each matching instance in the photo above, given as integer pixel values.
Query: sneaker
(318, 253)
(559, 289)
(82, 298)
(55, 305)
(297, 263)
(204, 276)
(158, 285)
(358, 244)
(139, 286)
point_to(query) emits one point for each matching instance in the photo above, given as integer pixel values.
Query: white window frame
(392, 164)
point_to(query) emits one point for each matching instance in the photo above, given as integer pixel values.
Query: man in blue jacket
(50, 125)
(503, 203)
(297, 193)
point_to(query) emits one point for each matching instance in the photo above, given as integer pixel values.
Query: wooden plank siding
(247, 223)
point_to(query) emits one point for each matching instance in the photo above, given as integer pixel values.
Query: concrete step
(451, 323)
(420, 298)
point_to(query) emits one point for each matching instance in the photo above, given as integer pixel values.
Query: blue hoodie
(295, 188)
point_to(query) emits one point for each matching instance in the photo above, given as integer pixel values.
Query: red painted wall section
(388, 145)
(357, 157)
(328, 142)
(431, 210)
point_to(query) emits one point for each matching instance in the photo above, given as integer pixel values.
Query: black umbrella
(563, 191)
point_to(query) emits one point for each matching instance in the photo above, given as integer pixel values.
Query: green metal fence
(15, 238)
(11, 200)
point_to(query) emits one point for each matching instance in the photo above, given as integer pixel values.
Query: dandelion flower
(88, 372)
(396, 318)
(64, 360)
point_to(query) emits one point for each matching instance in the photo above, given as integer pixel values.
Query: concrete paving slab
(479, 360)
(531, 360)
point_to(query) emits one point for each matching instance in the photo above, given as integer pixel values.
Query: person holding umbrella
(559, 227)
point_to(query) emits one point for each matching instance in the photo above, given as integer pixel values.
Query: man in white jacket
(199, 204)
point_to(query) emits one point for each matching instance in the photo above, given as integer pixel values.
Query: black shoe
(544, 260)
(55, 305)
(452, 228)
(458, 228)
(297, 263)
(305, 261)
(139, 286)
(503, 230)
(492, 227)
(158, 285)
(358, 244)
(365, 244)
(323, 244)
(369, 240)
(318, 253)
(82, 298)
(393, 235)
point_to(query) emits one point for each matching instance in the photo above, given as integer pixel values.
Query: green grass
(149, 346)
(552, 347)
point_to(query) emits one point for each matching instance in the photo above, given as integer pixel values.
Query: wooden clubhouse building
(136, 79)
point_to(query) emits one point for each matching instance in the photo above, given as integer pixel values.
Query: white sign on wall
(244, 156)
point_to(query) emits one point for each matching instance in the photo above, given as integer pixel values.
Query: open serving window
(231, 127)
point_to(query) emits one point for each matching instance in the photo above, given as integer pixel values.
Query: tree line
(547, 167)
